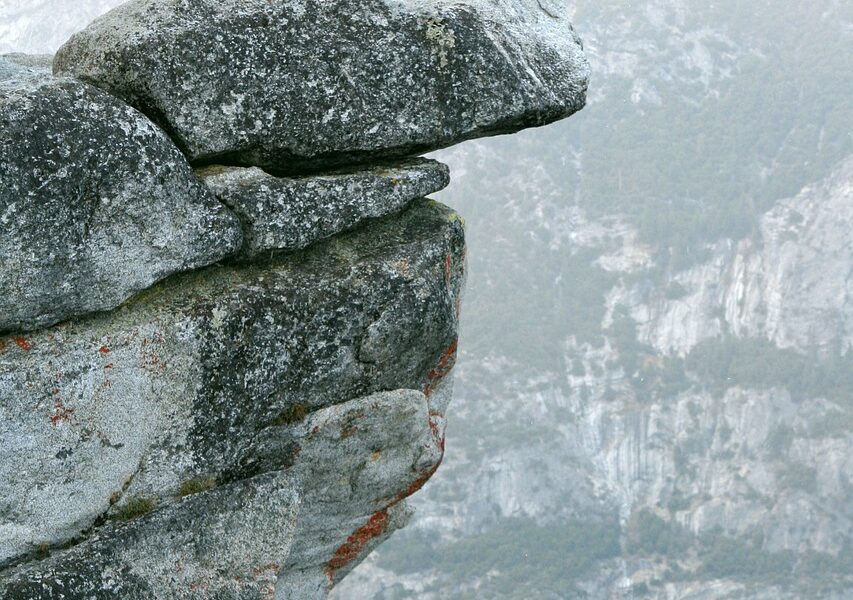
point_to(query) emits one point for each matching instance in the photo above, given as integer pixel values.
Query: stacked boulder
(229, 313)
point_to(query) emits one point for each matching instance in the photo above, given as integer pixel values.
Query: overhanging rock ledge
(230, 315)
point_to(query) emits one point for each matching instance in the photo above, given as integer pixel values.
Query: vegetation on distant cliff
(721, 555)
(702, 163)
(518, 558)
(724, 362)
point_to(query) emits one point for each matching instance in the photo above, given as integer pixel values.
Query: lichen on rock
(189, 383)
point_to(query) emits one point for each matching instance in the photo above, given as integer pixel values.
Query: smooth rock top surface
(96, 203)
(296, 85)
(289, 213)
(206, 382)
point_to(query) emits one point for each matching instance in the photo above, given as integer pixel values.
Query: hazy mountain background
(42, 26)
(655, 387)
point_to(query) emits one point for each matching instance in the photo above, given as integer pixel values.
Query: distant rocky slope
(670, 415)
(229, 315)
(697, 450)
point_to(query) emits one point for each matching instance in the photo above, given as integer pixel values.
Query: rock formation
(290, 213)
(224, 382)
(290, 85)
(96, 203)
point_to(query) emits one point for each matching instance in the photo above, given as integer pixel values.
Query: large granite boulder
(247, 539)
(227, 428)
(293, 85)
(96, 203)
(248, 428)
(290, 213)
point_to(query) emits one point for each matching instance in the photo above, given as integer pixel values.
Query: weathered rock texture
(237, 388)
(282, 213)
(297, 84)
(248, 538)
(246, 428)
(96, 203)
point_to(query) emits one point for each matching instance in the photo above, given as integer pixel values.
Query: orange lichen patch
(378, 523)
(357, 542)
(2, 346)
(61, 413)
(150, 361)
(348, 426)
(420, 482)
(375, 455)
(434, 427)
(448, 264)
(104, 350)
(445, 362)
(425, 476)
(109, 366)
(445, 365)
(23, 344)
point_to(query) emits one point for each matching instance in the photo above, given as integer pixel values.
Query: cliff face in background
(654, 397)
(229, 315)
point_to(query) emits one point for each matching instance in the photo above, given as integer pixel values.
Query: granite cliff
(229, 315)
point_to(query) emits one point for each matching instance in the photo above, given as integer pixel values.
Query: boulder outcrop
(221, 375)
(293, 85)
(198, 378)
(290, 213)
(207, 380)
(96, 202)
(295, 531)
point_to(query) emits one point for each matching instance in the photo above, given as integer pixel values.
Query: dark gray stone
(220, 384)
(290, 213)
(246, 540)
(296, 85)
(96, 203)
